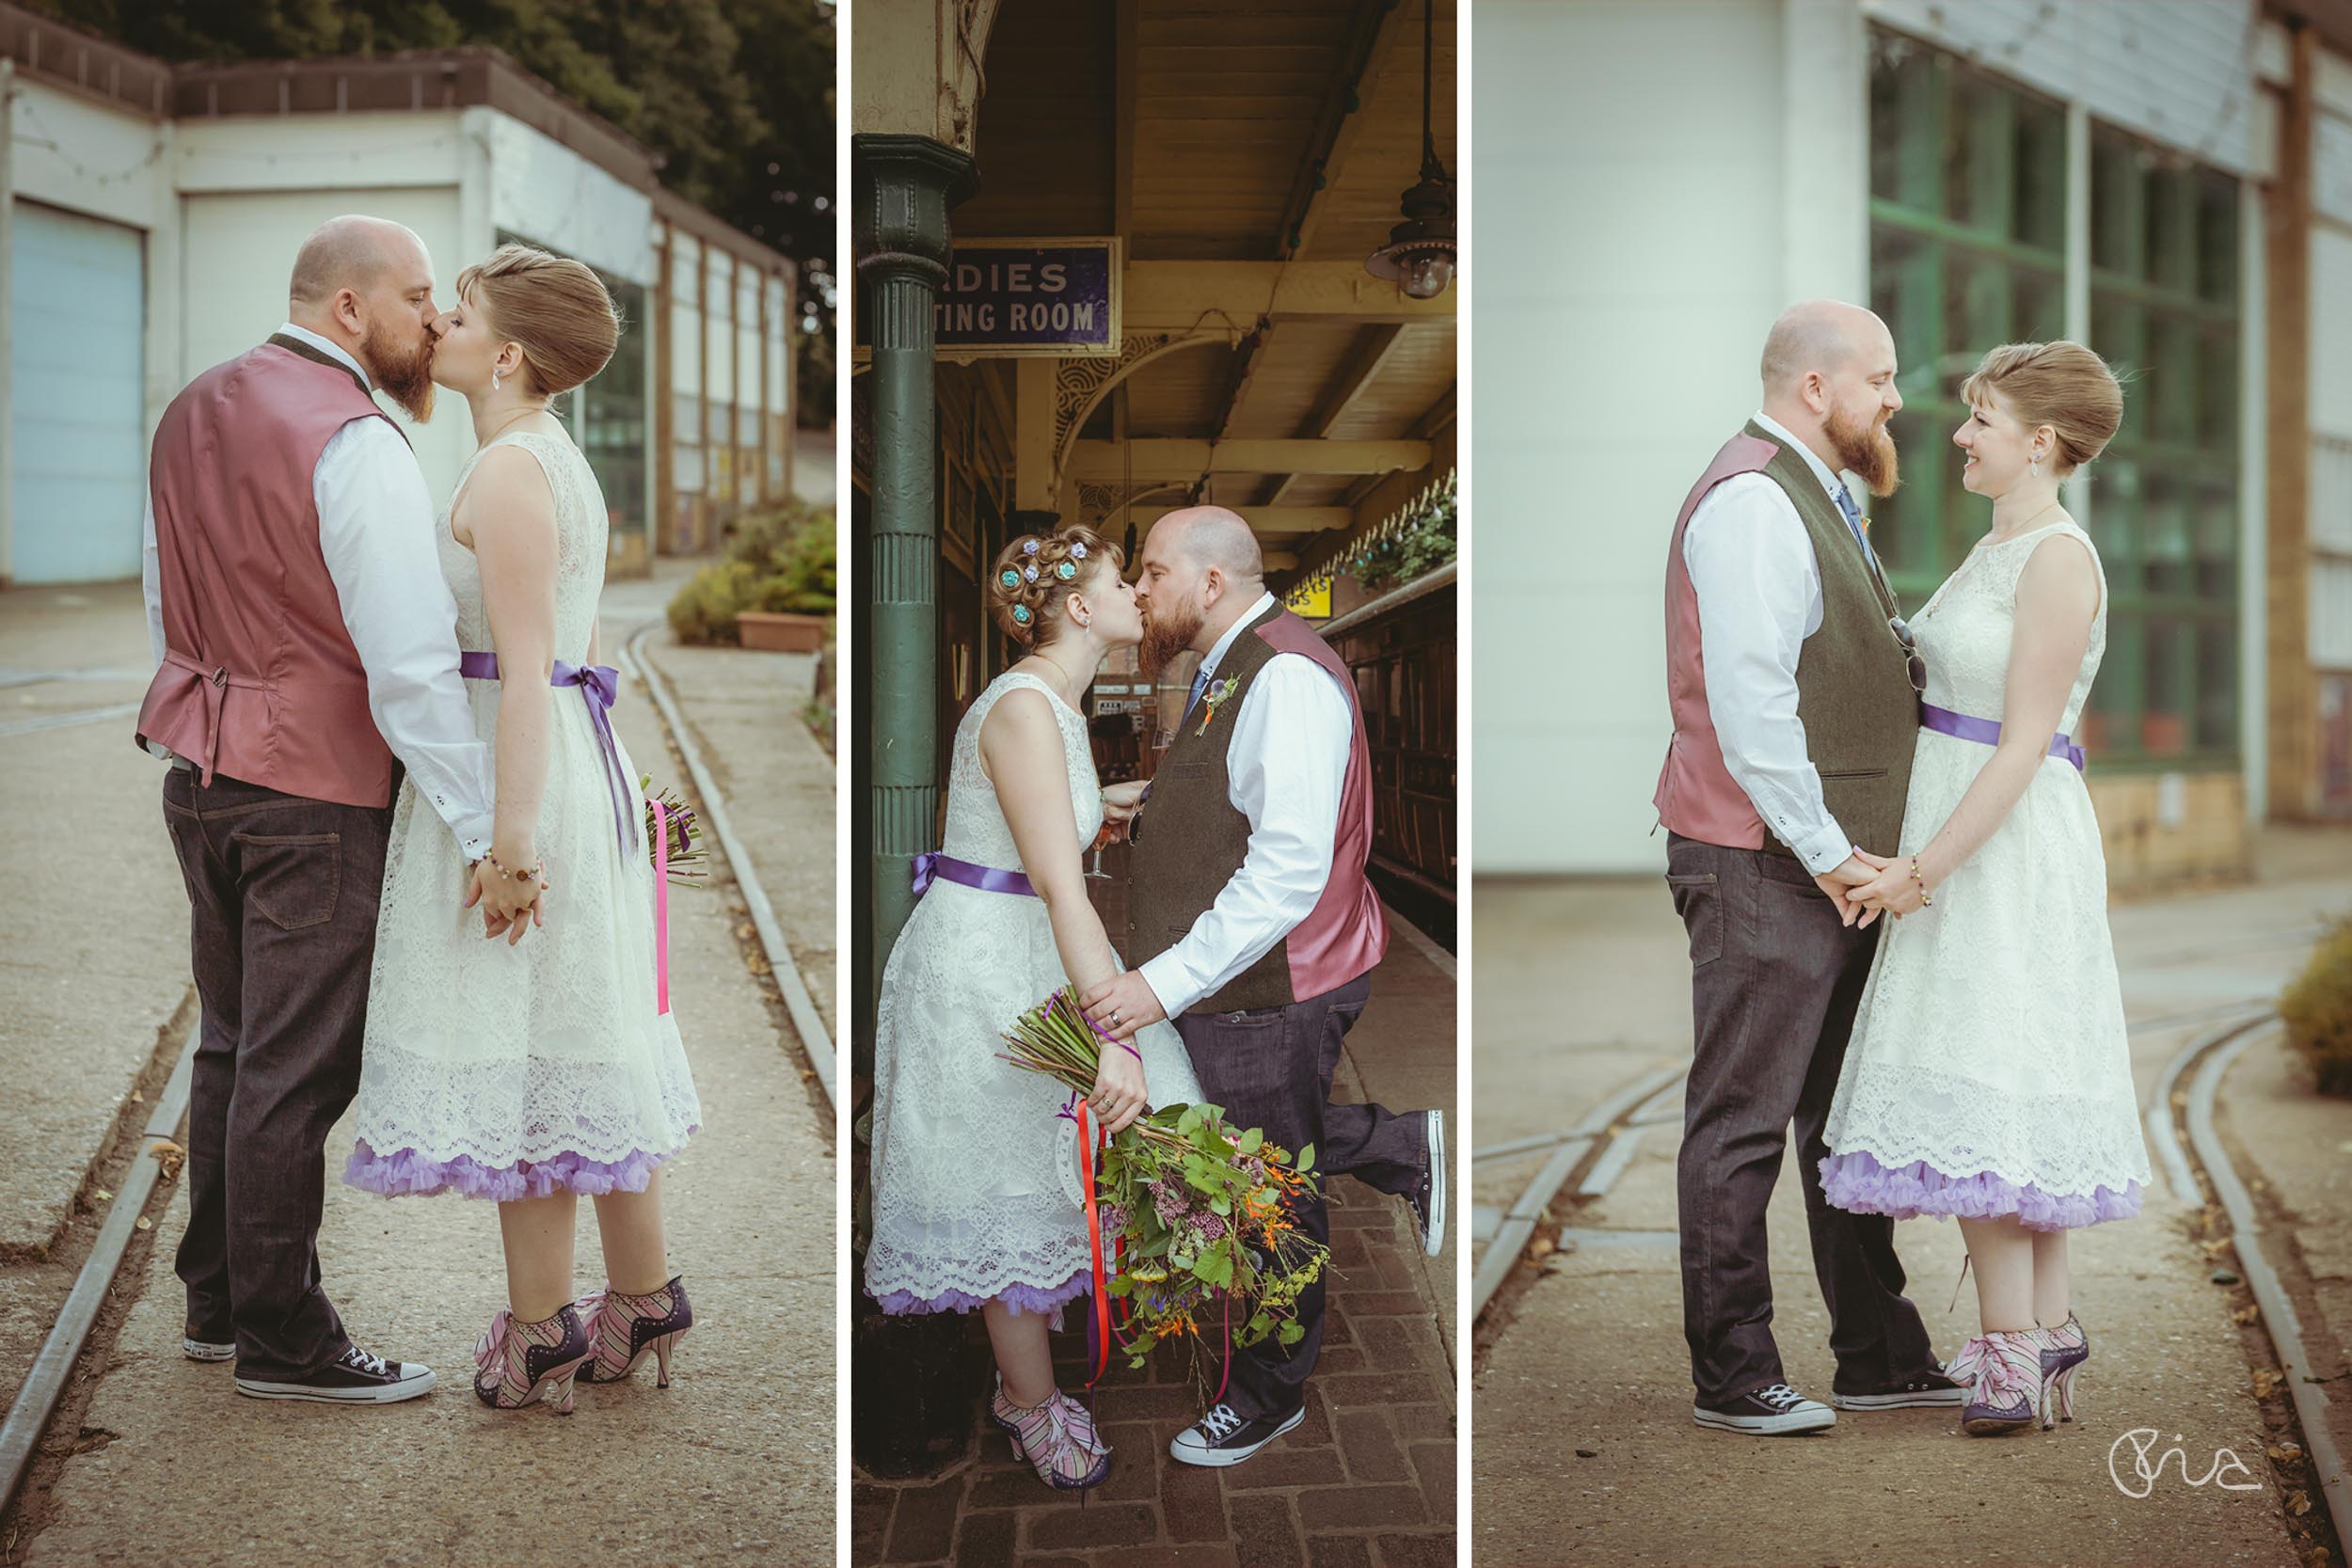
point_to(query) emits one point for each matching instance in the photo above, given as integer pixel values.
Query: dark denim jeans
(282, 895)
(1272, 1069)
(1775, 979)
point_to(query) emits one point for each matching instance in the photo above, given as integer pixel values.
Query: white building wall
(2330, 605)
(542, 188)
(1681, 172)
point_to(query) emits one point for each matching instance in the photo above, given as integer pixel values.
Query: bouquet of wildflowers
(689, 862)
(1195, 1208)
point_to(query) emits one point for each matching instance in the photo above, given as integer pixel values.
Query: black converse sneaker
(1224, 1436)
(198, 1347)
(1772, 1412)
(1428, 1199)
(354, 1378)
(1921, 1391)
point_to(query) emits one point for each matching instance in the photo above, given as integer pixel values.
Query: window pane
(2216, 239)
(2217, 686)
(2164, 717)
(2164, 537)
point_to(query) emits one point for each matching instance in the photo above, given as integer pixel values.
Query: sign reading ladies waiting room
(1007, 298)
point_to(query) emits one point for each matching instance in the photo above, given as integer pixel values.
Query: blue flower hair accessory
(1021, 614)
(1010, 577)
(1067, 570)
(1078, 549)
(1028, 574)
(1029, 547)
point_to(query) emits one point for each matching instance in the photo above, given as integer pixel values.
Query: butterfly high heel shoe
(1058, 1438)
(625, 1329)
(2006, 1387)
(518, 1363)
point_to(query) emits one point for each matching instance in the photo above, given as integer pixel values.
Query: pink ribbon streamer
(660, 908)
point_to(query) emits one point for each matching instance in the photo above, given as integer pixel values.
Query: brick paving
(1367, 1481)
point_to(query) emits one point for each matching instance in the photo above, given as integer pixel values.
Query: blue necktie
(1199, 684)
(1853, 524)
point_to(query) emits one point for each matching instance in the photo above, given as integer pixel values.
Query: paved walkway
(1586, 1449)
(1369, 1478)
(735, 1464)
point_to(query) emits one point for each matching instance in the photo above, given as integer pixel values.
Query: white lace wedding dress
(1988, 1072)
(975, 1174)
(514, 1073)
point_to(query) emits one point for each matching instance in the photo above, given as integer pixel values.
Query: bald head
(1822, 336)
(1213, 536)
(353, 252)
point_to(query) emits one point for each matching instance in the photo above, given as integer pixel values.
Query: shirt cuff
(1824, 850)
(1164, 976)
(473, 835)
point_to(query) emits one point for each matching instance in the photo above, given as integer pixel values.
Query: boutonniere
(1217, 692)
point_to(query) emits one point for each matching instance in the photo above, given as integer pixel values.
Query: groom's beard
(1866, 448)
(407, 378)
(1167, 632)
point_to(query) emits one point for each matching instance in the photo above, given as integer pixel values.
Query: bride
(976, 1195)
(533, 1076)
(1990, 1077)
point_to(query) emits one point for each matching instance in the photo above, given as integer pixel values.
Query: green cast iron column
(905, 186)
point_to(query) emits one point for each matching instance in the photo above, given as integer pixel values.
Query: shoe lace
(1221, 1422)
(375, 1365)
(2002, 1370)
(1781, 1396)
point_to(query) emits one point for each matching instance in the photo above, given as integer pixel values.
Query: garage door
(78, 295)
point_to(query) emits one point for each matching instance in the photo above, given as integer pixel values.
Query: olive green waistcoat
(1192, 840)
(1854, 698)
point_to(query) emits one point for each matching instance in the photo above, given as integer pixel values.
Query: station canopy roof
(1223, 139)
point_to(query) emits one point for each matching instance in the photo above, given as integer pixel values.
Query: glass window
(1968, 201)
(2163, 309)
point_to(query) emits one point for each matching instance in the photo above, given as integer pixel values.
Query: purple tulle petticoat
(406, 1173)
(1857, 1183)
(1021, 1298)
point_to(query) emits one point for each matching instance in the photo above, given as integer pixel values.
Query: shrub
(779, 561)
(2318, 1012)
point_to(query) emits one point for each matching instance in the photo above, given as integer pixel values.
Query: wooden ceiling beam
(1157, 460)
(1373, 32)
(1266, 521)
(1126, 28)
(1370, 350)
(1183, 297)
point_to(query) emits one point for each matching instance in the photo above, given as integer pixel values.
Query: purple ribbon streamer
(1985, 732)
(932, 865)
(599, 688)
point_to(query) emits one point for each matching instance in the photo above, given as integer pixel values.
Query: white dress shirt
(376, 529)
(1759, 595)
(1289, 789)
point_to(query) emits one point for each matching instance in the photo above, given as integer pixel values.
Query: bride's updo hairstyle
(554, 309)
(2063, 385)
(1030, 590)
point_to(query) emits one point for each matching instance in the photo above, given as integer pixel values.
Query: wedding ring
(1114, 1018)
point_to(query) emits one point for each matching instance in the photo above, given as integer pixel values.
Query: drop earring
(494, 378)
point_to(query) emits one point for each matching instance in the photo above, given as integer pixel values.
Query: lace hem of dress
(1855, 1182)
(1016, 1297)
(405, 1173)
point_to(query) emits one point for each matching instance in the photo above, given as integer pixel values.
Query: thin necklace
(2021, 529)
(520, 417)
(1068, 679)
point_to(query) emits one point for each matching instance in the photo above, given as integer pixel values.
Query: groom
(1248, 890)
(1794, 689)
(306, 651)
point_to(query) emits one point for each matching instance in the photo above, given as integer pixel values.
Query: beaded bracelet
(1926, 898)
(524, 876)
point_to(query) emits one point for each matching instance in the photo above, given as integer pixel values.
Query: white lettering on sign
(1017, 278)
(1060, 316)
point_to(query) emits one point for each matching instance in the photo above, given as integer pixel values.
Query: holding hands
(511, 904)
(1867, 886)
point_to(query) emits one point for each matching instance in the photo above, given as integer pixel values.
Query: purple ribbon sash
(599, 688)
(1986, 732)
(928, 868)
